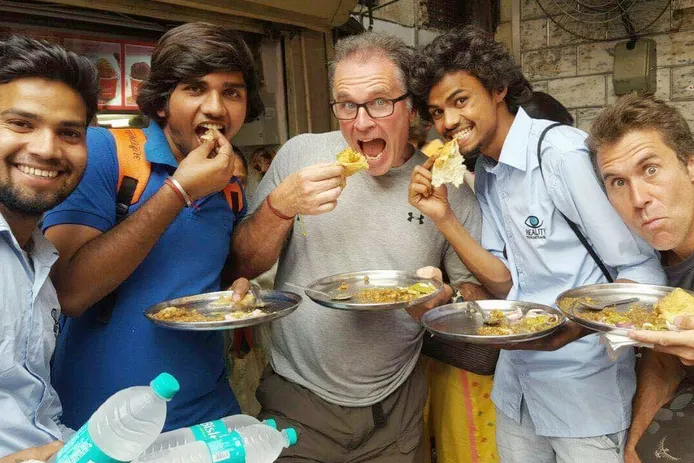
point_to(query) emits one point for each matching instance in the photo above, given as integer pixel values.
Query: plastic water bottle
(123, 426)
(257, 443)
(206, 431)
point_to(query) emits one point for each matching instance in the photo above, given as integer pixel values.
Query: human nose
(212, 105)
(42, 143)
(640, 196)
(451, 119)
(363, 120)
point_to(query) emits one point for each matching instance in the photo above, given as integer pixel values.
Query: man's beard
(31, 206)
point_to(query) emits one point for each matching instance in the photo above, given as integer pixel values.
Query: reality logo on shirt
(535, 230)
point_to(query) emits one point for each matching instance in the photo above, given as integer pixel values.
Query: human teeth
(463, 133)
(38, 172)
(212, 126)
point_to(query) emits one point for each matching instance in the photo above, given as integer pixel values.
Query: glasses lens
(345, 110)
(380, 107)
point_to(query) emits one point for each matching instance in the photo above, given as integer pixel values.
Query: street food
(448, 166)
(393, 294)
(513, 323)
(352, 161)
(245, 308)
(677, 302)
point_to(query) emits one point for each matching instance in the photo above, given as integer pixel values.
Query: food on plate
(515, 322)
(448, 166)
(678, 302)
(245, 308)
(353, 161)
(393, 294)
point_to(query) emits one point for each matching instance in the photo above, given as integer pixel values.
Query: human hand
(240, 287)
(430, 201)
(40, 453)
(677, 343)
(630, 455)
(202, 172)
(312, 190)
(565, 334)
(444, 296)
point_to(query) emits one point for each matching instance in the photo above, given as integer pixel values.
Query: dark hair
(473, 50)
(544, 106)
(22, 57)
(195, 50)
(641, 112)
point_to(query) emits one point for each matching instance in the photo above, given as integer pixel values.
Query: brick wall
(578, 73)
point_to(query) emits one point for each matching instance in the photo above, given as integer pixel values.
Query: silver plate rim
(629, 288)
(372, 307)
(443, 310)
(292, 298)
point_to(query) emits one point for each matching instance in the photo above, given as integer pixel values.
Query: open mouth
(372, 149)
(462, 135)
(204, 131)
(35, 172)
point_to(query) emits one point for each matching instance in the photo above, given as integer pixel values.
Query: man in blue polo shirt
(573, 404)
(202, 81)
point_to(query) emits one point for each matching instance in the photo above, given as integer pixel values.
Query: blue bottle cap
(292, 437)
(165, 386)
(270, 422)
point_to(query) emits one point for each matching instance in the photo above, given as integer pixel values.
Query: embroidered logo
(56, 322)
(411, 217)
(535, 230)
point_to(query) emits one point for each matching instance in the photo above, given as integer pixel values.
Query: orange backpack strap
(234, 196)
(132, 163)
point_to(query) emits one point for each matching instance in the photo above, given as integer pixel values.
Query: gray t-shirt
(347, 358)
(670, 436)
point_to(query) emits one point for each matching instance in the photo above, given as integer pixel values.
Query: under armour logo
(411, 217)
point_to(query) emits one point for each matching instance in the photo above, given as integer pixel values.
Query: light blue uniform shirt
(29, 311)
(576, 391)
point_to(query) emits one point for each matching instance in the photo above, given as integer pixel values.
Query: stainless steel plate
(278, 304)
(358, 281)
(648, 295)
(458, 322)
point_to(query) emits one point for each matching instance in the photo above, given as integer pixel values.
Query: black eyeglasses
(376, 108)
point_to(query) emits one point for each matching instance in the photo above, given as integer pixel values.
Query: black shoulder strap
(124, 197)
(573, 226)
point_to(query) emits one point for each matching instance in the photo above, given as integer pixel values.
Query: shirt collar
(157, 149)
(514, 152)
(42, 250)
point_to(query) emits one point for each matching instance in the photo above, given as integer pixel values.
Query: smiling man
(47, 97)
(643, 150)
(573, 404)
(113, 267)
(349, 382)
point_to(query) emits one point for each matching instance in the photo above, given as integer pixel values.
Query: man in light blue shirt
(47, 98)
(573, 404)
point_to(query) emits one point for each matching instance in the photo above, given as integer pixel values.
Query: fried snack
(678, 302)
(448, 167)
(353, 161)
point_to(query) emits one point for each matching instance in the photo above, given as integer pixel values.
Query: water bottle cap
(165, 386)
(270, 422)
(291, 435)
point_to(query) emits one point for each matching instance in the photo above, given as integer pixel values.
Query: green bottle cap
(165, 386)
(291, 435)
(270, 422)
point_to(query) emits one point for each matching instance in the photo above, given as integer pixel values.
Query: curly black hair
(195, 50)
(473, 50)
(22, 57)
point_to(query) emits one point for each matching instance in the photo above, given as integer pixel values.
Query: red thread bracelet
(275, 211)
(176, 190)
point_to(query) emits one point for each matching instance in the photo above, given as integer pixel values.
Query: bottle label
(227, 449)
(212, 430)
(82, 449)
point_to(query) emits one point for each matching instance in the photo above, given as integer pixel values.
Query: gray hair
(364, 47)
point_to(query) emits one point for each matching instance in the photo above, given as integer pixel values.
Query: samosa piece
(448, 167)
(678, 302)
(353, 161)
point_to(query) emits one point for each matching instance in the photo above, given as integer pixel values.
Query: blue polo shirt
(93, 360)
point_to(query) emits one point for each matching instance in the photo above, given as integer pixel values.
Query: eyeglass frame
(363, 105)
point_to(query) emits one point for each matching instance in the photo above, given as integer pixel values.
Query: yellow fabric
(459, 415)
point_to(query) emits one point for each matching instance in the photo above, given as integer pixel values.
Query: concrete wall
(402, 19)
(578, 73)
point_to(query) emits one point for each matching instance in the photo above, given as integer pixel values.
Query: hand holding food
(429, 200)
(448, 165)
(353, 161)
(312, 190)
(201, 175)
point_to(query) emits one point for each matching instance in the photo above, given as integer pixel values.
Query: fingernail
(236, 297)
(678, 320)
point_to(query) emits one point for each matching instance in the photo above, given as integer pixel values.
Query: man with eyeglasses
(350, 382)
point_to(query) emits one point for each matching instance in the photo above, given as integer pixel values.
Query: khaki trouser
(388, 432)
